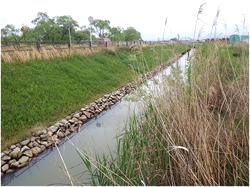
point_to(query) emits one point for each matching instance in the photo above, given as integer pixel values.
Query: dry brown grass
(45, 53)
(213, 126)
(190, 134)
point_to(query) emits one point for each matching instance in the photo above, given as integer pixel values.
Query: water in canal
(96, 136)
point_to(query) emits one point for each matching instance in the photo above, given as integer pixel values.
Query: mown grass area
(193, 132)
(39, 92)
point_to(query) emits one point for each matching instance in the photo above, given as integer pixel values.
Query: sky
(146, 16)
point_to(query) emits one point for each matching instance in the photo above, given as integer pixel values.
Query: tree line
(54, 29)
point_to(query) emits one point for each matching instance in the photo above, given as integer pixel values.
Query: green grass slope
(39, 92)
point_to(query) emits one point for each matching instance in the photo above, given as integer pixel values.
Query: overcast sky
(146, 16)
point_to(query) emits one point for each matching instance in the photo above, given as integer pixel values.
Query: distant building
(235, 38)
(104, 42)
(244, 38)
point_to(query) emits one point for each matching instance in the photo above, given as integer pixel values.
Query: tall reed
(195, 130)
(183, 139)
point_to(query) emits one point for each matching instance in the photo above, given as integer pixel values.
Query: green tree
(9, 32)
(41, 18)
(116, 34)
(45, 28)
(52, 29)
(62, 22)
(46, 31)
(81, 35)
(131, 34)
(101, 28)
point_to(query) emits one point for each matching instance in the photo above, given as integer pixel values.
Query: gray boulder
(24, 148)
(36, 150)
(23, 159)
(28, 153)
(14, 154)
(25, 142)
(5, 167)
(53, 128)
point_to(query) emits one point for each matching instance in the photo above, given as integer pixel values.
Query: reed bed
(194, 132)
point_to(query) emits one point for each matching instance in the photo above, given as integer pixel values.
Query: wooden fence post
(38, 46)
(69, 44)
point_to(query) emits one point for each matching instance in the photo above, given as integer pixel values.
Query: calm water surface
(96, 136)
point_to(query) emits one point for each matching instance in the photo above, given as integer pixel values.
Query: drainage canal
(96, 136)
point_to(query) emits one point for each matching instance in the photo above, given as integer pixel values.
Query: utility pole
(166, 19)
(243, 24)
(68, 27)
(69, 37)
(91, 19)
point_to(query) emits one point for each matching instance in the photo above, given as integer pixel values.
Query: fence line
(17, 45)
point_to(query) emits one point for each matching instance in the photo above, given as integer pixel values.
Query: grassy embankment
(192, 133)
(39, 92)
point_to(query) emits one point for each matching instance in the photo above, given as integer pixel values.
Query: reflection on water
(95, 136)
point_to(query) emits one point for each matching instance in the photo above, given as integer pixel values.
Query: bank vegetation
(194, 132)
(36, 92)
